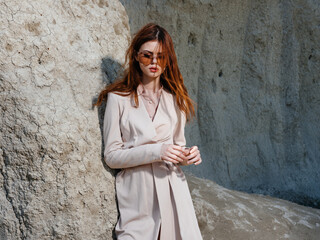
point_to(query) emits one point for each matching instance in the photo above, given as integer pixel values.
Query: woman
(144, 136)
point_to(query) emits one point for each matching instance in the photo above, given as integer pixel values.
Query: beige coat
(152, 194)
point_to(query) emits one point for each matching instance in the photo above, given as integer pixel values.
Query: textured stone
(52, 63)
(253, 68)
(227, 214)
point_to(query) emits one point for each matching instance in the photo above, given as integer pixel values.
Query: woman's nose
(154, 59)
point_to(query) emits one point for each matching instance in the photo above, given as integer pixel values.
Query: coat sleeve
(178, 134)
(115, 155)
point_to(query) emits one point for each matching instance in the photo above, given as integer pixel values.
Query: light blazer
(150, 192)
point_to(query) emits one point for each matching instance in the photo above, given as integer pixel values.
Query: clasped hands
(180, 155)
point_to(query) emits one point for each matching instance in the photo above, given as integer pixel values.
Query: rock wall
(253, 67)
(53, 183)
(252, 71)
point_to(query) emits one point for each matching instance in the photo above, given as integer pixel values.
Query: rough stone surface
(253, 67)
(226, 214)
(52, 53)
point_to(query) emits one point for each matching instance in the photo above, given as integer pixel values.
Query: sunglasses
(146, 58)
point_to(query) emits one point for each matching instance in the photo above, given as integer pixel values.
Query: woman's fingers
(175, 157)
(170, 159)
(173, 153)
(193, 153)
(179, 155)
(181, 150)
(197, 160)
(194, 157)
(194, 149)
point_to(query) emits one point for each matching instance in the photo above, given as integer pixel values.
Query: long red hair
(171, 79)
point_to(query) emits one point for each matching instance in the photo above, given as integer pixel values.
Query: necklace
(151, 100)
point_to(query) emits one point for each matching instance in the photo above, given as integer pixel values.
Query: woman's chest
(137, 127)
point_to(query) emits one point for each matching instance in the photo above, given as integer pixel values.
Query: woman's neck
(151, 84)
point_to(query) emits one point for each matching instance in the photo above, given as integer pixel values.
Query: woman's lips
(153, 69)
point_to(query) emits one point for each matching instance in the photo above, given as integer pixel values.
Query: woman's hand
(194, 156)
(173, 153)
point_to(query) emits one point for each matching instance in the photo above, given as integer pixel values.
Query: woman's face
(151, 59)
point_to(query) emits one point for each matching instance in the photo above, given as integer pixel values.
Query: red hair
(171, 79)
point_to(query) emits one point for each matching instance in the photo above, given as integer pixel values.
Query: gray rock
(226, 214)
(253, 67)
(53, 182)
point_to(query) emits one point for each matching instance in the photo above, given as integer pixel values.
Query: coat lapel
(152, 130)
(143, 125)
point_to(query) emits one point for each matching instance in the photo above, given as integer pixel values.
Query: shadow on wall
(110, 70)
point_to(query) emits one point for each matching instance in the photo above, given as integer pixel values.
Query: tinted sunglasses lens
(145, 59)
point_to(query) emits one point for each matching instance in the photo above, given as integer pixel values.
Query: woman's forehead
(151, 46)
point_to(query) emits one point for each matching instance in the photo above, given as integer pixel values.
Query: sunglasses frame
(142, 58)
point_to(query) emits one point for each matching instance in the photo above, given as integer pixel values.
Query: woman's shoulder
(173, 99)
(120, 99)
(118, 96)
(168, 95)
